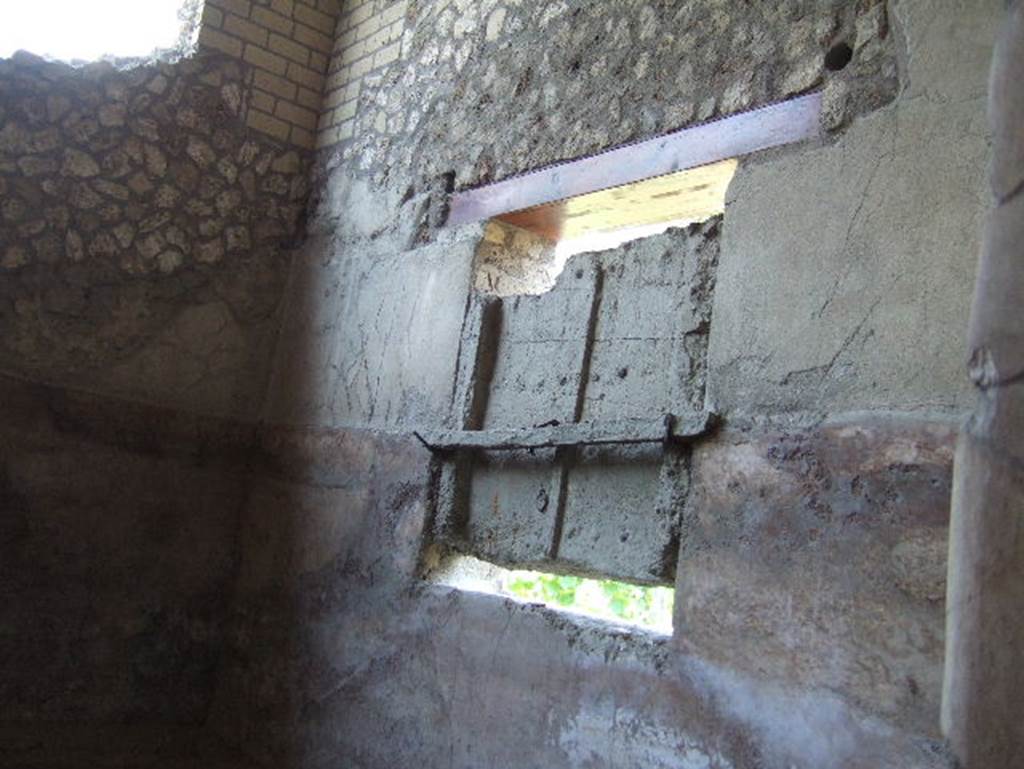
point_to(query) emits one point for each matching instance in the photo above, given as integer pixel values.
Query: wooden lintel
(759, 129)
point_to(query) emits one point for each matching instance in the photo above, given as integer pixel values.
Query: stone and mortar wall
(149, 206)
(146, 217)
(504, 87)
(483, 92)
(808, 519)
(144, 230)
(817, 514)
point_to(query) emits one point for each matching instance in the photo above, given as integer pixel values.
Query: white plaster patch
(607, 734)
(800, 730)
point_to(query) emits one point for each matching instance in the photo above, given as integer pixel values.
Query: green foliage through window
(637, 604)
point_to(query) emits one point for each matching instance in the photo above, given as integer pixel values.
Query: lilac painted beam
(759, 129)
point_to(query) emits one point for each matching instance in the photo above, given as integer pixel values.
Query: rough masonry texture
(286, 44)
(218, 346)
(492, 79)
(144, 229)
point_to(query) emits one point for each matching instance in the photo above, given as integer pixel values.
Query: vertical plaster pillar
(983, 693)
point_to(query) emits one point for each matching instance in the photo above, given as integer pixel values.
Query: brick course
(287, 43)
(368, 37)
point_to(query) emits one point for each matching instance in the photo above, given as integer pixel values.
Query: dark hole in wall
(838, 56)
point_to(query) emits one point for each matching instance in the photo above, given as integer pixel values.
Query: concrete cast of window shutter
(622, 334)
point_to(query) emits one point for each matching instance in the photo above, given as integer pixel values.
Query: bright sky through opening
(88, 29)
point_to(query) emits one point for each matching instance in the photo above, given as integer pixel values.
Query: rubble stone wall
(504, 87)
(144, 229)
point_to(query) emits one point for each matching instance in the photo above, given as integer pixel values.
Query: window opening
(625, 603)
(524, 252)
(735, 136)
(73, 30)
(608, 218)
(538, 220)
(554, 458)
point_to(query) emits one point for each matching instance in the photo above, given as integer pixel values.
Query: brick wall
(288, 44)
(368, 37)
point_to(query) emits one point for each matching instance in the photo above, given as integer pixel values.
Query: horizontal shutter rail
(669, 429)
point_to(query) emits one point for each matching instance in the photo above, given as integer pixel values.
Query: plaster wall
(847, 270)
(345, 656)
(300, 632)
(817, 515)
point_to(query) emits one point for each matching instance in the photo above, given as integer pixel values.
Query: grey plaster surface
(540, 352)
(621, 336)
(613, 525)
(984, 632)
(847, 270)
(338, 653)
(371, 339)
